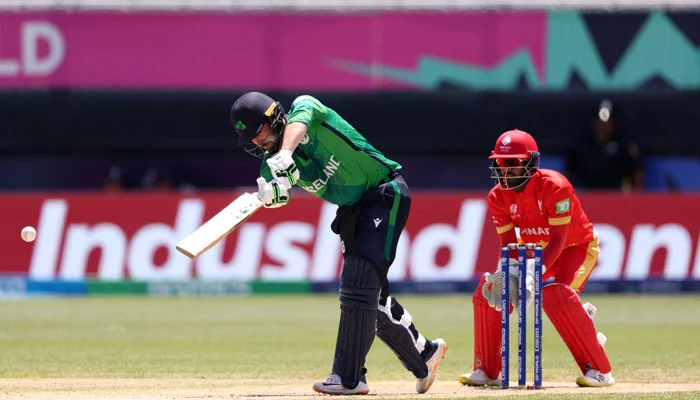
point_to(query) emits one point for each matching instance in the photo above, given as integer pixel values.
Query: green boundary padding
(262, 287)
(100, 288)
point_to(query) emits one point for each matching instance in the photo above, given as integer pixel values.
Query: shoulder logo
(563, 206)
(305, 139)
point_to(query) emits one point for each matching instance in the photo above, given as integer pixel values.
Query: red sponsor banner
(449, 237)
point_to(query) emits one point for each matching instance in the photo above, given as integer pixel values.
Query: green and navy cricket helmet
(250, 112)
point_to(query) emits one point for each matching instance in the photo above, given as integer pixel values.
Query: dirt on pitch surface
(189, 388)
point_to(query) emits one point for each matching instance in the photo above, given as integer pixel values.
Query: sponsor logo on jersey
(534, 231)
(563, 206)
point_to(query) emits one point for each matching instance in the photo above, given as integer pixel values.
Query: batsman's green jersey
(335, 162)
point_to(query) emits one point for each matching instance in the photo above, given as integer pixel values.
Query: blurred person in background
(604, 159)
(542, 205)
(157, 180)
(314, 147)
(114, 182)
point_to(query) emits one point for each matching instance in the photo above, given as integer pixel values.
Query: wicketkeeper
(540, 203)
(315, 148)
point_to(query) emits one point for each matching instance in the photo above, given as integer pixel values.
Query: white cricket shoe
(479, 378)
(437, 353)
(594, 378)
(334, 386)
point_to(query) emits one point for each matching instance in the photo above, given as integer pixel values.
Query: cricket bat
(220, 225)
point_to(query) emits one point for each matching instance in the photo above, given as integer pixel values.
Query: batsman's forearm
(293, 134)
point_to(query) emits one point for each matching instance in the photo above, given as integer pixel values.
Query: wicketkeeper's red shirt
(548, 200)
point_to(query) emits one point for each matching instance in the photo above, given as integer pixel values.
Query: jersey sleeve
(265, 172)
(308, 110)
(500, 215)
(558, 204)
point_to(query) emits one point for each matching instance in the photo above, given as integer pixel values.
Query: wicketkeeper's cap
(249, 113)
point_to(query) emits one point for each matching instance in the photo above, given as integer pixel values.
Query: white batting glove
(272, 194)
(283, 168)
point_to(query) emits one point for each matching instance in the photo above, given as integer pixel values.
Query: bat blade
(219, 226)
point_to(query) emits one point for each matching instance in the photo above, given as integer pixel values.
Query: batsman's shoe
(438, 348)
(594, 378)
(334, 385)
(479, 378)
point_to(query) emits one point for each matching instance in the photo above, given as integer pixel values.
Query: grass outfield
(278, 346)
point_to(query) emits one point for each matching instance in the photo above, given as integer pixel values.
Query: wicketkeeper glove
(272, 194)
(529, 283)
(492, 287)
(283, 168)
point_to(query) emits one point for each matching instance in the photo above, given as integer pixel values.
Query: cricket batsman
(315, 148)
(541, 203)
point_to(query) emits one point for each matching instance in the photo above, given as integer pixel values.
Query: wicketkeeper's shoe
(479, 378)
(334, 385)
(594, 378)
(432, 358)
